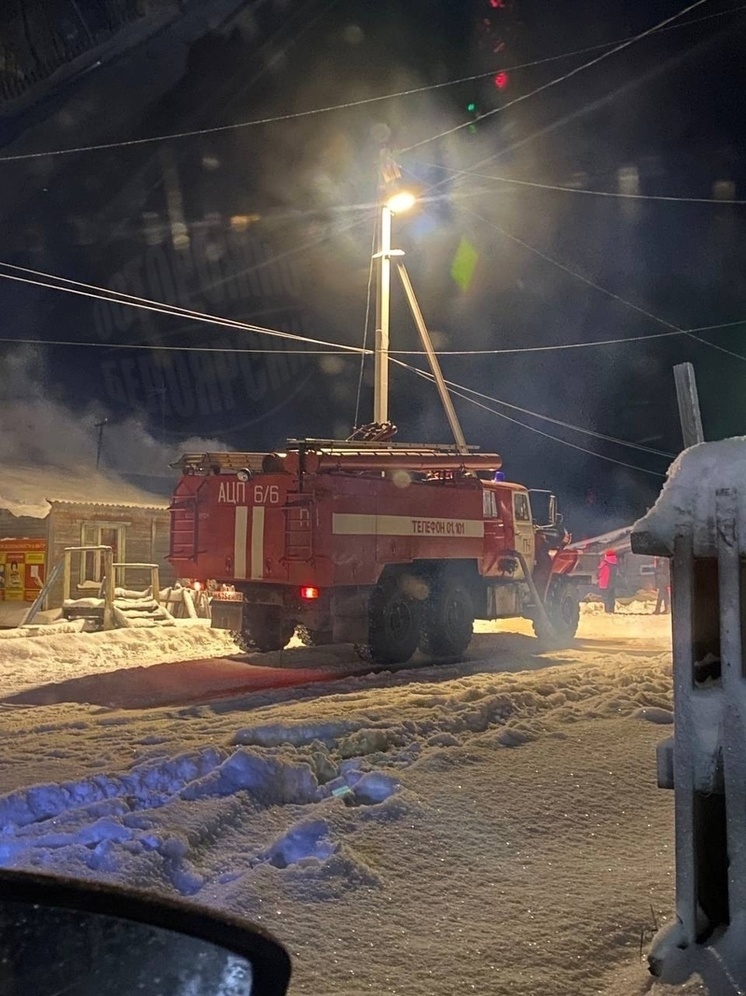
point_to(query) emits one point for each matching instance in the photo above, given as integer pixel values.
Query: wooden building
(43, 511)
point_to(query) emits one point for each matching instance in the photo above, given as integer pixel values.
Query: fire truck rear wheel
(314, 637)
(394, 628)
(448, 622)
(264, 632)
(244, 641)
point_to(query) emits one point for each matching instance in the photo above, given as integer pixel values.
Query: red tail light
(308, 593)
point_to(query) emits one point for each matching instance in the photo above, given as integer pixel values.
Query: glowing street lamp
(396, 203)
(401, 201)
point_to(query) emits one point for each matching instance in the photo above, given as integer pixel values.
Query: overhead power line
(537, 349)
(544, 418)
(557, 80)
(131, 300)
(583, 190)
(547, 435)
(557, 439)
(567, 118)
(347, 105)
(422, 373)
(614, 296)
(719, 325)
(119, 297)
(88, 290)
(714, 345)
(337, 350)
(565, 425)
(169, 349)
(573, 273)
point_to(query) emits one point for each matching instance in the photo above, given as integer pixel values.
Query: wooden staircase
(110, 604)
(139, 610)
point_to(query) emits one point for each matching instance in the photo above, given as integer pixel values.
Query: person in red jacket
(608, 574)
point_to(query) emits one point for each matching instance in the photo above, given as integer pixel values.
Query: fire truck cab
(391, 547)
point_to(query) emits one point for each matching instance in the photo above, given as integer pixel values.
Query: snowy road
(93, 669)
(491, 826)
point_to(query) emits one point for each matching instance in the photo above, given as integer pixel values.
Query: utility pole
(100, 426)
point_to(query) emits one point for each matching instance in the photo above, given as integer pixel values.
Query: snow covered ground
(491, 826)
(29, 661)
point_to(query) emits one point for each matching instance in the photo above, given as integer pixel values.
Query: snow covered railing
(700, 521)
(98, 615)
(185, 603)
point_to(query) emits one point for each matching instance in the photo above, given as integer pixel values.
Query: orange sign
(22, 569)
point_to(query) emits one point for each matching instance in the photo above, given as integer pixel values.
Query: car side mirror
(90, 939)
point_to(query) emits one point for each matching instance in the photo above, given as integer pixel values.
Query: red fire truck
(388, 546)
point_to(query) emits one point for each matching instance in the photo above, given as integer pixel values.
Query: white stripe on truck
(239, 541)
(355, 524)
(257, 541)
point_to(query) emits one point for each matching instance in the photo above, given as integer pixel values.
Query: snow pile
(687, 502)
(53, 656)
(61, 628)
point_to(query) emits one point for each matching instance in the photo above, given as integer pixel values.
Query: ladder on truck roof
(365, 446)
(214, 463)
(228, 462)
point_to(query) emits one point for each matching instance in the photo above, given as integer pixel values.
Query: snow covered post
(730, 574)
(700, 521)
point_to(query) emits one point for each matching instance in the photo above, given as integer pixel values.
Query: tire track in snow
(272, 788)
(158, 820)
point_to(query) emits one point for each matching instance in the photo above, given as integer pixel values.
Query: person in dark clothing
(608, 574)
(663, 584)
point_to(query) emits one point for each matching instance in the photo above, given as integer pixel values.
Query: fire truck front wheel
(563, 609)
(394, 627)
(448, 622)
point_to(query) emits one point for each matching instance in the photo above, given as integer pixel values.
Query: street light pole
(398, 201)
(383, 316)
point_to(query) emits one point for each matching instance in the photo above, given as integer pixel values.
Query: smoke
(39, 429)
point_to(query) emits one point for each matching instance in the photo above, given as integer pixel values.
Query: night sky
(274, 225)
